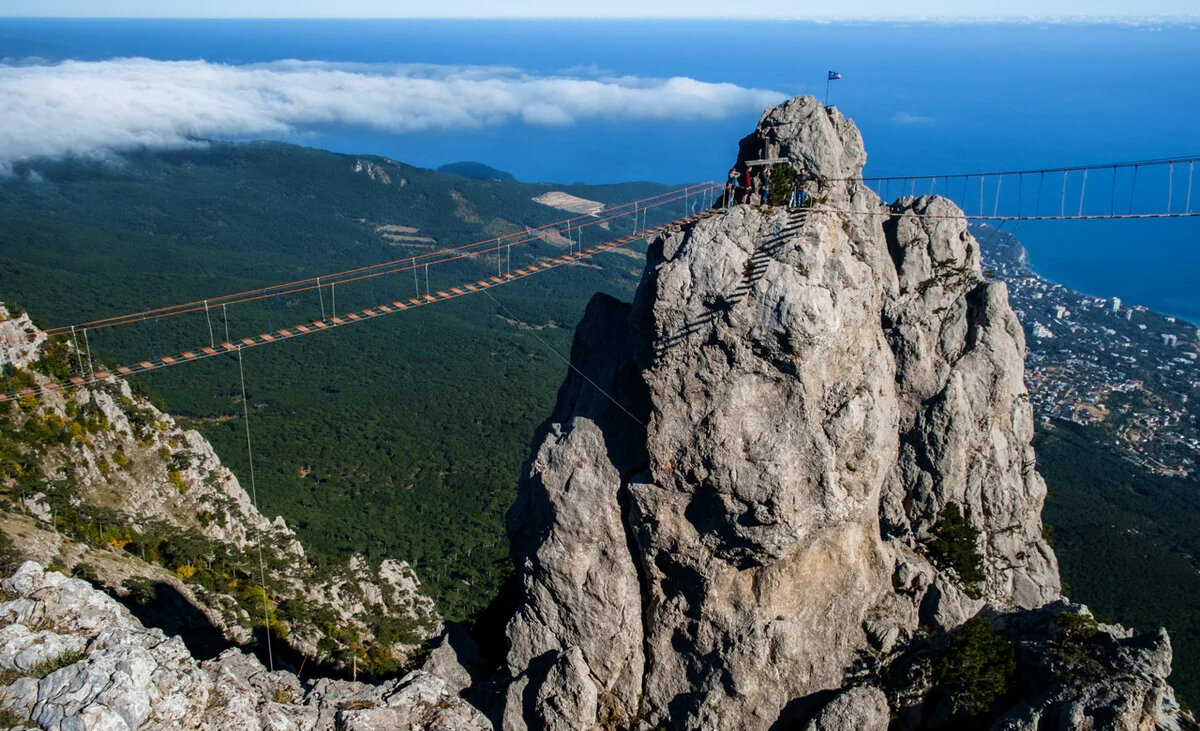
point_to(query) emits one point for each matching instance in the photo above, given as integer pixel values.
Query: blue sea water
(929, 98)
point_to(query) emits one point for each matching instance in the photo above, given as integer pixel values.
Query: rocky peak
(813, 138)
(799, 458)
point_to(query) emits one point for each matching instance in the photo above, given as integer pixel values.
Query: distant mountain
(475, 170)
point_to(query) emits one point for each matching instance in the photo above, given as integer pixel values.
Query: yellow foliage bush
(185, 572)
(176, 478)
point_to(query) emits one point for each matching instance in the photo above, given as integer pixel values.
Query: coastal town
(1131, 373)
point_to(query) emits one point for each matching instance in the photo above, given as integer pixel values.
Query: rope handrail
(888, 213)
(1038, 171)
(105, 375)
(413, 262)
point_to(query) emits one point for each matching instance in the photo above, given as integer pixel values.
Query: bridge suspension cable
(1149, 185)
(413, 262)
(1036, 171)
(159, 361)
(994, 205)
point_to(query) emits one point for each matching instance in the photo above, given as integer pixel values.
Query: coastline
(1025, 261)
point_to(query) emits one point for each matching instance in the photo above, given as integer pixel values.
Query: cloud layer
(81, 108)
(910, 118)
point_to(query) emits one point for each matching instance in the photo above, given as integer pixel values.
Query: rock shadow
(799, 711)
(162, 606)
(756, 269)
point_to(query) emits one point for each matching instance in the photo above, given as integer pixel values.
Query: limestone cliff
(73, 658)
(100, 482)
(776, 485)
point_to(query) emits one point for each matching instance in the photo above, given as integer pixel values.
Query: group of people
(753, 185)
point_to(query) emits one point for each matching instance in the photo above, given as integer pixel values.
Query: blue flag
(834, 76)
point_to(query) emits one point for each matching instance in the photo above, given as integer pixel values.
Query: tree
(782, 179)
(977, 668)
(955, 546)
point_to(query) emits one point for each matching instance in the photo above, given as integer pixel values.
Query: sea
(930, 98)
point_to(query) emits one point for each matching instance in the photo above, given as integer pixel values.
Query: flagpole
(827, 80)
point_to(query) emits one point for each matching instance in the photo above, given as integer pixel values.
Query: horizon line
(1066, 17)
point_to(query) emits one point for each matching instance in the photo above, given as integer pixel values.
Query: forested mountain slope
(401, 437)
(1127, 540)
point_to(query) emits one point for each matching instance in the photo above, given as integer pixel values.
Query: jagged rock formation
(790, 486)
(73, 658)
(101, 481)
(738, 514)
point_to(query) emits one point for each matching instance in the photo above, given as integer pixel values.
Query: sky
(609, 8)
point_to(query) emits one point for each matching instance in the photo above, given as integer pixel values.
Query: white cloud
(98, 108)
(910, 118)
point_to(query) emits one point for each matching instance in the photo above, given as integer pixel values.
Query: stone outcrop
(123, 467)
(740, 514)
(727, 520)
(73, 658)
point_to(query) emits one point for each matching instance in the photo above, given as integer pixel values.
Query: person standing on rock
(798, 192)
(731, 186)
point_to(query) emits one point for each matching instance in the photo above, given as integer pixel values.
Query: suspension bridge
(1108, 191)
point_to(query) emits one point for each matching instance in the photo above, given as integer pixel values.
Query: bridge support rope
(314, 326)
(78, 353)
(1083, 191)
(211, 342)
(90, 362)
(1170, 185)
(1191, 169)
(1132, 188)
(262, 566)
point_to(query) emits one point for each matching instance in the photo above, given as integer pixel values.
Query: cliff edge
(793, 477)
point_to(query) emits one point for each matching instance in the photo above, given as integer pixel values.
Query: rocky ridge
(99, 481)
(73, 658)
(795, 473)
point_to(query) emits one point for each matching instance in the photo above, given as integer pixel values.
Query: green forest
(1127, 542)
(401, 436)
